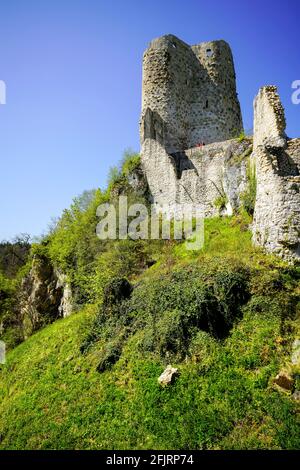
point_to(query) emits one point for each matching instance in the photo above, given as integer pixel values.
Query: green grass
(52, 396)
(227, 238)
(54, 399)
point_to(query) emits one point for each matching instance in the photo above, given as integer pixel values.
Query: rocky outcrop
(137, 181)
(66, 304)
(2, 352)
(45, 296)
(295, 359)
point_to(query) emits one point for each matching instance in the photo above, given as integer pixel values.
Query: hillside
(226, 316)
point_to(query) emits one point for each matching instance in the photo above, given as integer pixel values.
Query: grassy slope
(52, 397)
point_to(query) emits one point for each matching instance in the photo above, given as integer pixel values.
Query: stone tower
(189, 94)
(189, 98)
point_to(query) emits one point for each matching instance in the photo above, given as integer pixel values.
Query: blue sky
(73, 75)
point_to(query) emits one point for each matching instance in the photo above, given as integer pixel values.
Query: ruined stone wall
(191, 91)
(198, 175)
(269, 119)
(293, 149)
(189, 96)
(276, 224)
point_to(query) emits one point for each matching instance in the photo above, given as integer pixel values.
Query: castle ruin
(190, 150)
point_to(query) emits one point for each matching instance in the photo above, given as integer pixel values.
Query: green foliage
(54, 398)
(171, 309)
(14, 255)
(248, 197)
(114, 176)
(118, 175)
(241, 137)
(90, 263)
(220, 202)
(130, 162)
(7, 288)
(225, 315)
(73, 246)
(10, 330)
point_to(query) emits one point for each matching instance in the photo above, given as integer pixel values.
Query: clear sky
(73, 74)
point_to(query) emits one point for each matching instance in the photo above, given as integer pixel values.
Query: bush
(130, 162)
(171, 310)
(248, 197)
(115, 292)
(220, 202)
(10, 328)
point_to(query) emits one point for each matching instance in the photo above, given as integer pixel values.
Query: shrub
(248, 197)
(242, 136)
(10, 328)
(115, 292)
(220, 202)
(130, 162)
(171, 309)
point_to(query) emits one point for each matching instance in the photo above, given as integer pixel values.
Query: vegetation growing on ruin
(220, 203)
(248, 197)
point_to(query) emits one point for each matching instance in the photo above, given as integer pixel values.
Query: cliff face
(45, 296)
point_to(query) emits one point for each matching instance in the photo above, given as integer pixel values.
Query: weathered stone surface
(168, 376)
(198, 175)
(66, 304)
(296, 395)
(43, 296)
(2, 352)
(295, 359)
(276, 224)
(284, 380)
(269, 119)
(189, 99)
(191, 93)
(138, 182)
(187, 102)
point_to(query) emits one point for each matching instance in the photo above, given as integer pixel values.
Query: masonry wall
(189, 96)
(269, 118)
(198, 175)
(192, 92)
(276, 224)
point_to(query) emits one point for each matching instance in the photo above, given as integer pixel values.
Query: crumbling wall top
(269, 118)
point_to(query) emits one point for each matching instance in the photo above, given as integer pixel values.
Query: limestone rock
(138, 182)
(66, 304)
(296, 395)
(168, 376)
(43, 298)
(295, 359)
(2, 352)
(284, 380)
